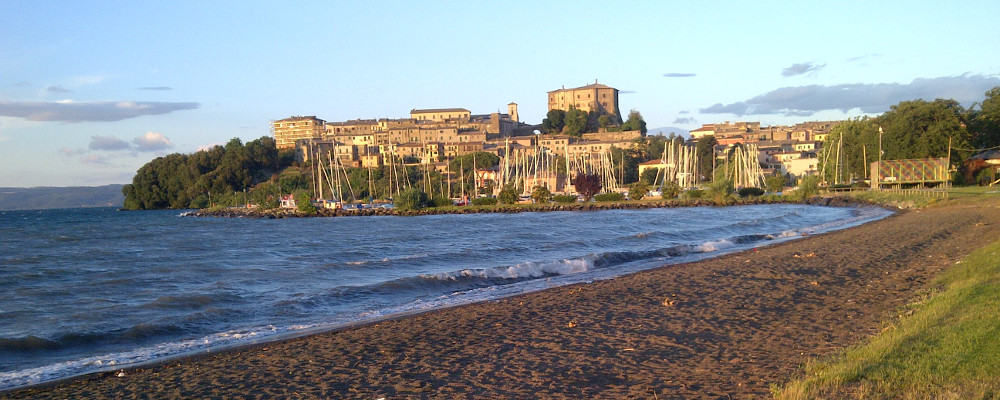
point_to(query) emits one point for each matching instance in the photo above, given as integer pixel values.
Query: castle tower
(512, 112)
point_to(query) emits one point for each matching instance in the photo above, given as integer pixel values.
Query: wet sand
(723, 328)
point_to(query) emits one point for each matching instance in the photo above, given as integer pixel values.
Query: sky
(90, 91)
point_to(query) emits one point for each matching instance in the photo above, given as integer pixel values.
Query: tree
(635, 123)
(920, 129)
(705, 150)
(775, 183)
(849, 148)
(410, 199)
(576, 122)
(303, 203)
(638, 190)
(984, 124)
(604, 121)
(649, 176)
(508, 195)
(808, 187)
(587, 185)
(554, 121)
(670, 190)
(541, 194)
(208, 176)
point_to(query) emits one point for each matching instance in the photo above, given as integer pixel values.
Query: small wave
(522, 270)
(192, 302)
(27, 344)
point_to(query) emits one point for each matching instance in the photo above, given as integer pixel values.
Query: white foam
(522, 270)
(714, 245)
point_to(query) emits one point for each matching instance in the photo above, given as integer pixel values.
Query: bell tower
(512, 111)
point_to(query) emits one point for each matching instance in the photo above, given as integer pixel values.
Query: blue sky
(90, 91)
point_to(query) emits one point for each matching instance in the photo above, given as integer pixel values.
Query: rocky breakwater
(838, 201)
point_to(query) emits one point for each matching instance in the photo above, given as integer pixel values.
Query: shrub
(808, 186)
(507, 195)
(410, 199)
(721, 190)
(484, 201)
(564, 198)
(638, 190)
(694, 194)
(440, 201)
(587, 185)
(775, 183)
(750, 191)
(670, 190)
(609, 197)
(541, 194)
(303, 203)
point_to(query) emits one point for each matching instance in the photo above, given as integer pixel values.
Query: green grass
(948, 347)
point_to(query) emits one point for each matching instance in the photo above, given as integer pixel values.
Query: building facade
(287, 131)
(594, 97)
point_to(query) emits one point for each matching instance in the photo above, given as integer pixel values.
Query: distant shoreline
(836, 201)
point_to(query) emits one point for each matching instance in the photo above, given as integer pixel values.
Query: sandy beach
(728, 327)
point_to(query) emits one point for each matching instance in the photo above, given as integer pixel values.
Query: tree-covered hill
(191, 180)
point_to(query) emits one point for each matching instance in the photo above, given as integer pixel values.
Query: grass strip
(945, 346)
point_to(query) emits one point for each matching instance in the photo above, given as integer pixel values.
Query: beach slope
(728, 327)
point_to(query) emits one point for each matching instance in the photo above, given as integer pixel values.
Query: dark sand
(723, 328)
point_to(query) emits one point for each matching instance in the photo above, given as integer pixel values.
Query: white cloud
(110, 143)
(69, 111)
(799, 69)
(210, 146)
(152, 141)
(68, 152)
(870, 98)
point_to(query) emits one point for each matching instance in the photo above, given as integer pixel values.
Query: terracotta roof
(590, 86)
(437, 110)
(298, 118)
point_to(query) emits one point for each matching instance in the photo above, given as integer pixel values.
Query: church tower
(512, 112)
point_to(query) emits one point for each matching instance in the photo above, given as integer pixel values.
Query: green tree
(604, 121)
(587, 185)
(775, 183)
(920, 129)
(808, 187)
(576, 122)
(303, 202)
(670, 190)
(984, 123)
(266, 195)
(508, 195)
(638, 190)
(721, 190)
(554, 121)
(649, 176)
(541, 194)
(705, 150)
(410, 199)
(851, 145)
(635, 123)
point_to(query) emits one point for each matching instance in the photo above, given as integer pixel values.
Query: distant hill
(60, 197)
(666, 131)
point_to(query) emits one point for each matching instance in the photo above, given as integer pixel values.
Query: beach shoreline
(732, 325)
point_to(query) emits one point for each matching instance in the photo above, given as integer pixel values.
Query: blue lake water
(85, 290)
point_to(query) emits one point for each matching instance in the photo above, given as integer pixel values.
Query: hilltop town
(433, 137)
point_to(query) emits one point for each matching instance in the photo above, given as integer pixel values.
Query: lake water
(86, 290)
